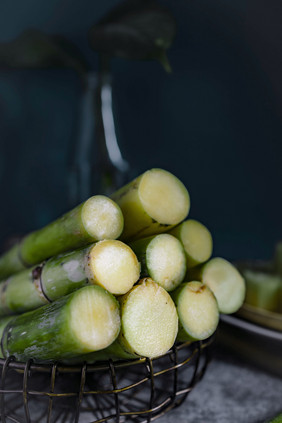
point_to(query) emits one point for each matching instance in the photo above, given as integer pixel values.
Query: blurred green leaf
(34, 49)
(136, 29)
(277, 419)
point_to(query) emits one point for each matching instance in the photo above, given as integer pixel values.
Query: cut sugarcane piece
(109, 263)
(149, 320)
(263, 289)
(197, 311)
(224, 280)
(97, 218)
(149, 325)
(113, 265)
(84, 321)
(162, 258)
(196, 239)
(152, 203)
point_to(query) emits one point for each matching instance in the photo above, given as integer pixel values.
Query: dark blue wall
(215, 121)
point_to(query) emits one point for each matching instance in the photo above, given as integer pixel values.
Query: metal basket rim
(100, 366)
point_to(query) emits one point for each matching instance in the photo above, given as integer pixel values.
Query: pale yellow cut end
(102, 218)
(226, 283)
(198, 310)
(114, 266)
(94, 318)
(164, 197)
(197, 241)
(149, 319)
(166, 261)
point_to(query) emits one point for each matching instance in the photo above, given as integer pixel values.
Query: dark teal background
(215, 121)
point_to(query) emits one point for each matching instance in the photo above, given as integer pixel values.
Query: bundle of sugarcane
(72, 292)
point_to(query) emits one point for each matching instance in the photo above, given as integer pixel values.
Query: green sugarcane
(277, 419)
(162, 258)
(196, 239)
(95, 219)
(109, 263)
(152, 203)
(149, 325)
(197, 311)
(224, 280)
(82, 322)
(263, 289)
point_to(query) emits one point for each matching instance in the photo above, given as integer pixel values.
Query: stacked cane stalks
(120, 278)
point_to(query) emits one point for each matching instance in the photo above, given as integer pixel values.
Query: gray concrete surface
(231, 391)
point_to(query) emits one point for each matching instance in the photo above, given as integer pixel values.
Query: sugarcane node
(5, 338)
(4, 286)
(3, 289)
(37, 281)
(36, 272)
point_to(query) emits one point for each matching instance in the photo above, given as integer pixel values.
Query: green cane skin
(58, 276)
(277, 419)
(44, 334)
(142, 224)
(10, 262)
(66, 233)
(116, 351)
(3, 323)
(21, 292)
(65, 273)
(63, 234)
(137, 223)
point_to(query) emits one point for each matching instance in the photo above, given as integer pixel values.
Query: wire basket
(136, 391)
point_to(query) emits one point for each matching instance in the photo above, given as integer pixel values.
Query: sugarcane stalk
(197, 311)
(224, 280)
(82, 322)
(152, 203)
(109, 263)
(22, 292)
(96, 219)
(196, 239)
(149, 325)
(162, 258)
(263, 289)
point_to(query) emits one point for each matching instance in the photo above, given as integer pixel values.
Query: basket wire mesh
(136, 391)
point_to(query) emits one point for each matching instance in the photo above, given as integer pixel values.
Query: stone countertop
(231, 391)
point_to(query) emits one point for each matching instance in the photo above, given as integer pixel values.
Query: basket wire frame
(137, 391)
